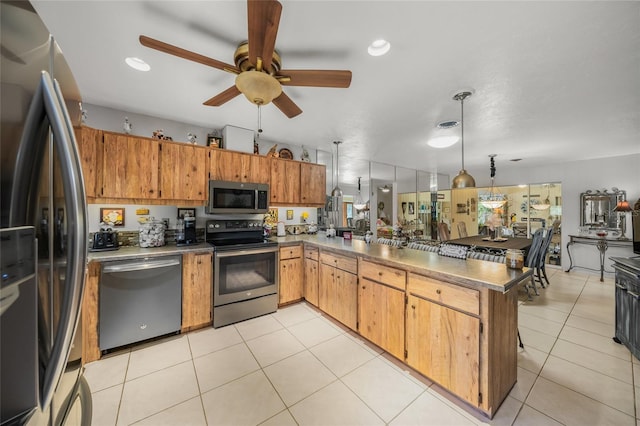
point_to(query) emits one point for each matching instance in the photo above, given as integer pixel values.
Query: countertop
(471, 272)
(124, 253)
(476, 273)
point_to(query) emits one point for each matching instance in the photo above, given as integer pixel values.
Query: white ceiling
(553, 81)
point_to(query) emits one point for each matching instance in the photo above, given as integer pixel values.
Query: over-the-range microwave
(237, 197)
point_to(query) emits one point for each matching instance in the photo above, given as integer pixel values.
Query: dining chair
(533, 255)
(462, 229)
(541, 272)
(443, 232)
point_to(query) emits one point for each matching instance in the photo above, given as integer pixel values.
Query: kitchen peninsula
(453, 320)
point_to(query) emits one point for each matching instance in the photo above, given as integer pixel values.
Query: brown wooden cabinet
(443, 335)
(238, 166)
(130, 167)
(311, 275)
(338, 288)
(291, 274)
(197, 272)
(91, 154)
(183, 172)
(285, 181)
(313, 183)
(381, 306)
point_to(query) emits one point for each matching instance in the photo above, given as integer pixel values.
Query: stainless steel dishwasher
(139, 299)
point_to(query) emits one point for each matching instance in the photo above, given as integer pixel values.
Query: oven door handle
(247, 252)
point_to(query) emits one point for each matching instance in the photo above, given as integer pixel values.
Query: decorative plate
(286, 154)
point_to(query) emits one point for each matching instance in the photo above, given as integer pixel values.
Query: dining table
(497, 245)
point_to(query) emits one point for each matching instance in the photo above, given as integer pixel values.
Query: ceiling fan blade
(287, 106)
(263, 18)
(186, 54)
(316, 78)
(223, 97)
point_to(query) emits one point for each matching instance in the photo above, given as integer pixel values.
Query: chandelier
(463, 179)
(545, 204)
(359, 203)
(494, 201)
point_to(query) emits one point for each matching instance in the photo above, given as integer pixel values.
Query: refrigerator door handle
(48, 110)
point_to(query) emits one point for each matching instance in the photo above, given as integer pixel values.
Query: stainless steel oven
(245, 271)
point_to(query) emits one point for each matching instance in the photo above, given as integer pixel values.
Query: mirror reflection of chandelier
(544, 205)
(359, 203)
(493, 201)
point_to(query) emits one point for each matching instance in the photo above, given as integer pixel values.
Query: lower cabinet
(311, 275)
(338, 288)
(291, 274)
(627, 295)
(381, 306)
(197, 275)
(444, 345)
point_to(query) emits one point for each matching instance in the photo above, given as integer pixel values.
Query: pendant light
(337, 192)
(463, 179)
(493, 201)
(359, 203)
(545, 204)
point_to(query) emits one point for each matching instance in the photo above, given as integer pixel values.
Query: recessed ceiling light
(447, 124)
(137, 64)
(443, 141)
(379, 47)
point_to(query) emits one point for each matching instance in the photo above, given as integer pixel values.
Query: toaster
(104, 240)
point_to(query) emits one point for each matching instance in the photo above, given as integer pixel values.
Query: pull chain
(259, 121)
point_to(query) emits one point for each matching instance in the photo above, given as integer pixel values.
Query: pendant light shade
(359, 203)
(336, 191)
(463, 179)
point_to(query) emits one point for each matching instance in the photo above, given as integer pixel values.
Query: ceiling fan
(258, 65)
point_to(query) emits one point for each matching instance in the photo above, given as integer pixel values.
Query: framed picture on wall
(184, 211)
(112, 216)
(412, 207)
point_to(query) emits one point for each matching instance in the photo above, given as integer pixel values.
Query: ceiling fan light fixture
(137, 64)
(384, 188)
(379, 47)
(442, 141)
(258, 87)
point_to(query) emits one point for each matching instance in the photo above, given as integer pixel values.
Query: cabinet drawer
(457, 297)
(311, 253)
(393, 277)
(349, 264)
(290, 252)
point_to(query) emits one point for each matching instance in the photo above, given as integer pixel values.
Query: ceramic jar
(152, 234)
(514, 259)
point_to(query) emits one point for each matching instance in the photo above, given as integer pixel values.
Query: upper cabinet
(91, 149)
(183, 171)
(238, 166)
(130, 167)
(312, 183)
(285, 181)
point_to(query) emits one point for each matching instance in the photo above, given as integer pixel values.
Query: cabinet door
(91, 149)
(311, 275)
(326, 288)
(285, 181)
(444, 345)
(313, 183)
(291, 275)
(345, 298)
(183, 172)
(130, 167)
(229, 165)
(381, 316)
(260, 169)
(197, 271)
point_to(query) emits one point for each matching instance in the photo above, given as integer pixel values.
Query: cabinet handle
(438, 291)
(413, 306)
(379, 274)
(284, 266)
(364, 287)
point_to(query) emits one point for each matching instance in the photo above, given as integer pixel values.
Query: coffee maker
(186, 233)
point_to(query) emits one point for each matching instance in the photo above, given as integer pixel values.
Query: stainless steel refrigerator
(43, 231)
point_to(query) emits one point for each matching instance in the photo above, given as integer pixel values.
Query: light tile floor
(297, 366)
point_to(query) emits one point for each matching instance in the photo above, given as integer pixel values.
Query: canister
(514, 259)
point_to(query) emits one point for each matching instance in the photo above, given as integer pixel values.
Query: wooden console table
(602, 244)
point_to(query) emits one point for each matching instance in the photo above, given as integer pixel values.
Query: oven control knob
(217, 225)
